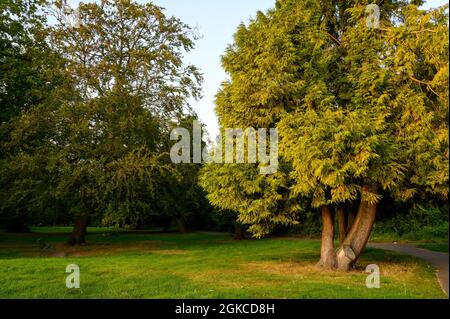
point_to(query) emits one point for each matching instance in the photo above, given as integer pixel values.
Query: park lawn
(197, 265)
(68, 230)
(439, 247)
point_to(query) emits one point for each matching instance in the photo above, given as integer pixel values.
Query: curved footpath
(437, 259)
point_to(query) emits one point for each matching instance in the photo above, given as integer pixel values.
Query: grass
(197, 265)
(411, 231)
(439, 247)
(68, 230)
(437, 243)
(408, 238)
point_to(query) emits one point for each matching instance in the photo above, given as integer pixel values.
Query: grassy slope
(199, 265)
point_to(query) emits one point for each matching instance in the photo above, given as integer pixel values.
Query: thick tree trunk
(327, 255)
(79, 231)
(359, 234)
(342, 223)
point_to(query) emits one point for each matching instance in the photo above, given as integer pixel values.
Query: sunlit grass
(198, 265)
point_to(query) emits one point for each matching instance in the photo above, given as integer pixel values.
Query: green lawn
(68, 230)
(439, 247)
(197, 265)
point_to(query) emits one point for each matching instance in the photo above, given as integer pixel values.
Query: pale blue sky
(216, 21)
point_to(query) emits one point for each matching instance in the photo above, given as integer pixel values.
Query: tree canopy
(99, 144)
(362, 113)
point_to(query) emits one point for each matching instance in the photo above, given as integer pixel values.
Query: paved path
(437, 259)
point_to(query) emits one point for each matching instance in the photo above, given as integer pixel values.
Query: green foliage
(97, 142)
(130, 189)
(419, 223)
(123, 47)
(25, 70)
(309, 225)
(238, 188)
(442, 248)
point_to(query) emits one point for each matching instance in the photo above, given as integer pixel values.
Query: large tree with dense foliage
(361, 112)
(105, 144)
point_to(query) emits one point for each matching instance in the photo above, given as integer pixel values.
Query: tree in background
(360, 112)
(30, 75)
(162, 194)
(25, 72)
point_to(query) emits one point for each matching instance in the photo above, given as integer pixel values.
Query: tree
(127, 60)
(163, 191)
(106, 135)
(30, 74)
(124, 47)
(21, 55)
(354, 107)
(180, 197)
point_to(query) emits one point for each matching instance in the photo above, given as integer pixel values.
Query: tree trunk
(342, 223)
(327, 255)
(238, 231)
(351, 217)
(359, 234)
(79, 231)
(182, 226)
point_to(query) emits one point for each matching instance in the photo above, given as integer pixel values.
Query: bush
(310, 225)
(420, 223)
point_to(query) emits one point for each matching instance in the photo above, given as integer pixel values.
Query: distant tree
(144, 190)
(360, 111)
(180, 196)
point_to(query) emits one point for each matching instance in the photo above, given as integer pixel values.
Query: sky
(216, 21)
